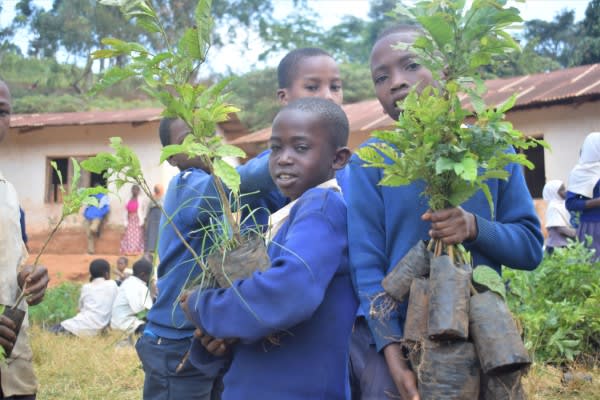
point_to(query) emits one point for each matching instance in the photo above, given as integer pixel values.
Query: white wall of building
(23, 161)
(564, 127)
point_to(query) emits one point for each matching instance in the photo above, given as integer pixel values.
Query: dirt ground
(73, 267)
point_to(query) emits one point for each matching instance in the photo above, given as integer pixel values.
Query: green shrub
(558, 305)
(59, 304)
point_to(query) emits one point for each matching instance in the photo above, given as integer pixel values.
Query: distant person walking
(583, 191)
(133, 238)
(152, 222)
(94, 219)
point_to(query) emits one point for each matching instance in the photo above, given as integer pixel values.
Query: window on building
(535, 178)
(65, 166)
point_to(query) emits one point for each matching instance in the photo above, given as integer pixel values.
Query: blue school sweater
(576, 202)
(385, 222)
(305, 301)
(189, 198)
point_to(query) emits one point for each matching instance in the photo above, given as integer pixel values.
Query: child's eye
(301, 148)
(413, 66)
(336, 88)
(380, 79)
(275, 147)
(4, 113)
(312, 88)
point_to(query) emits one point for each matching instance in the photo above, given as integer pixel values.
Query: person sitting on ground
(305, 301)
(94, 219)
(122, 272)
(95, 303)
(133, 297)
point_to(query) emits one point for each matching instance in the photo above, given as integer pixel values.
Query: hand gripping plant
(432, 144)
(168, 77)
(73, 200)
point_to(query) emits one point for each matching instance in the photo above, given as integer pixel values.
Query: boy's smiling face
(316, 76)
(395, 72)
(5, 110)
(302, 153)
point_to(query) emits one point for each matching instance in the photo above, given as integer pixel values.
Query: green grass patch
(59, 304)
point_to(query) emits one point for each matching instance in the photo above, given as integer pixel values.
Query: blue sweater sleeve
(282, 296)
(367, 248)
(575, 202)
(514, 238)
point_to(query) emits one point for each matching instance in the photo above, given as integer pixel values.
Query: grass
(96, 368)
(92, 368)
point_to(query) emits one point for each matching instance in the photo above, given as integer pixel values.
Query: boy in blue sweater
(168, 335)
(385, 222)
(293, 321)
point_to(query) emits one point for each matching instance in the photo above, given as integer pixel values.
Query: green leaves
(430, 142)
(488, 277)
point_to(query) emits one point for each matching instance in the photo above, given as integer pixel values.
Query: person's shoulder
(322, 200)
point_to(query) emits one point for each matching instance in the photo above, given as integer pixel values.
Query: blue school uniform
(385, 222)
(305, 301)
(191, 200)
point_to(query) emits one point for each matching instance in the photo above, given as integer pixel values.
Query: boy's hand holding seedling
(35, 281)
(452, 225)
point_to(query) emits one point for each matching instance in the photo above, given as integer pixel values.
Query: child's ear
(282, 96)
(342, 156)
(170, 161)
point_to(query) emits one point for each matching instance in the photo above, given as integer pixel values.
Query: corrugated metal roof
(232, 128)
(537, 90)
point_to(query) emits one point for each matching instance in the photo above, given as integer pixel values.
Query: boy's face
(5, 110)
(395, 72)
(302, 153)
(179, 130)
(121, 265)
(317, 76)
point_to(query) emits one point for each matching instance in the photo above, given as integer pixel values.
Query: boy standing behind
(306, 297)
(385, 222)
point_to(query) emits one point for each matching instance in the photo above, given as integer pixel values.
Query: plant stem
(235, 229)
(37, 259)
(146, 189)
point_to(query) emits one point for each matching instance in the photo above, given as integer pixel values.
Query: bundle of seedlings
(454, 333)
(74, 198)
(170, 77)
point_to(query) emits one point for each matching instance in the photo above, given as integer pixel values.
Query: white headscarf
(586, 173)
(556, 212)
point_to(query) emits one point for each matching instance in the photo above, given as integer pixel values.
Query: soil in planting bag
(239, 263)
(495, 335)
(502, 387)
(448, 300)
(413, 265)
(17, 316)
(448, 371)
(415, 326)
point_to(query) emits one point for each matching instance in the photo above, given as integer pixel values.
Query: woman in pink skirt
(133, 238)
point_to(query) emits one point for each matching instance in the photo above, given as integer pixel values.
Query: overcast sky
(331, 11)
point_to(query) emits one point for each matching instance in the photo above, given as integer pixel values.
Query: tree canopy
(75, 28)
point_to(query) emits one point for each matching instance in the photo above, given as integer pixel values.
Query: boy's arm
(366, 242)
(514, 239)
(281, 297)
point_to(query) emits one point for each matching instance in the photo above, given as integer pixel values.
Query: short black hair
(399, 28)
(142, 266)
(99, 268)
(330, 115)
(288, 66)
(164, 130)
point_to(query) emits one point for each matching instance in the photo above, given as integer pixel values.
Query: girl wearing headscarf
(584, 191)
(557, 217)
